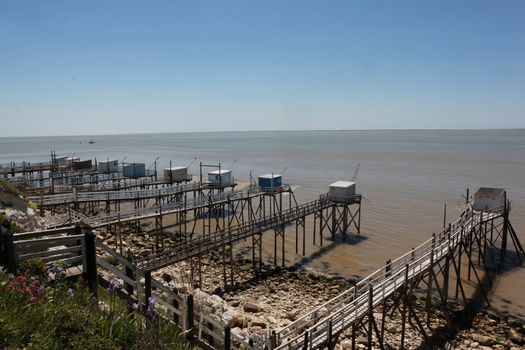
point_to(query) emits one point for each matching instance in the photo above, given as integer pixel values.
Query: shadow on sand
(463, 318)
(268, 270)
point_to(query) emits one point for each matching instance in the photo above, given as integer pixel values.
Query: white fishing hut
(176, 174)
(220, 177)
(70, 161)
(487, 198)
(61, 160)
(342, 191)
(109, 166)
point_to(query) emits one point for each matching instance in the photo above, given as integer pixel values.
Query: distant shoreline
(441, 130)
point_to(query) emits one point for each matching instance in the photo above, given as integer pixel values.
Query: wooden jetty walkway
(318, 328)
(475, 244)
(105, 219)
(216, 241)
(67, 181)
(72, 217)
(122, 195)
(13, 168)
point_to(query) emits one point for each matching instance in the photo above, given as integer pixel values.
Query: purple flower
(112, 285)
(115, 283)
(55, 270)
(135, 306)
(151, 305)
(70, 293)
(149, 311)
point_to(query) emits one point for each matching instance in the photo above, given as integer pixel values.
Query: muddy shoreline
(275, 297)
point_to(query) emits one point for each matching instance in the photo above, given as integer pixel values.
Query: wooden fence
(76, 247)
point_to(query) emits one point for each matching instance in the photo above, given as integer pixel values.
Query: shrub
(33, 267)
(5, 186)
(13, 226)
(65, 316)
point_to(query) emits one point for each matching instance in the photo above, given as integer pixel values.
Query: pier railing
(76, 178)
(19, 167)
(77, 247)
(122, 195)
(312, 330)
(112, 195)
(213, 241)
(168, 208)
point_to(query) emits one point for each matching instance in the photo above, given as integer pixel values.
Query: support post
(189, 317)
(305, 344)
(446, 272)
(147, 288)
(505, 231)
(227, 338)
(129, 273)
(354, 329)
(429, 282)
(9, 250)
(90, 261)
(273, 340)
(405, 299)
(175, 303)
(370, 315)
(445, 216)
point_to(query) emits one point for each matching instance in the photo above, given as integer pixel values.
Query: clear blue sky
(104, 67)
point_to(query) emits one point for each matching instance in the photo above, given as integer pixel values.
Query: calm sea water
(406, 177)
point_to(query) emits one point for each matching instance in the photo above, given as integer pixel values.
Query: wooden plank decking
(350, 306)
(214, 241)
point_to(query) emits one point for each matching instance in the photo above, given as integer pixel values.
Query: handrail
(113, 195)
(235, 233)
(352, 303)
(193, 203)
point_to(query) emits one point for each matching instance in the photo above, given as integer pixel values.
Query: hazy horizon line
(267, 130)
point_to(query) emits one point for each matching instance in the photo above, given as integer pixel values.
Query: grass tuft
(5, 186)
(38, 313)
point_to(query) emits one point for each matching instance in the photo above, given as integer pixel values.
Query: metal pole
(445, 216)
(505, 231)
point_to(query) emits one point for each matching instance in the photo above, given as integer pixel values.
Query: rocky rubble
(278, 296)
(28, 220)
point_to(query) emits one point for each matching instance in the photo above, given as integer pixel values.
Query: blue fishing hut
(270, 182)
(134, 170)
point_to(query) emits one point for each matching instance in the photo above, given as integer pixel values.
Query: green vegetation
(33, 206)
(40, 313)
(15, 228)
(112, 260)
(5, 186)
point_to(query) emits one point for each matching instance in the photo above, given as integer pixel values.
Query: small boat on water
(91, 141)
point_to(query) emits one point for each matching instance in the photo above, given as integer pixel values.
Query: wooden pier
(13, 168)
(473, 248)
(123, 194)
(429, 267)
